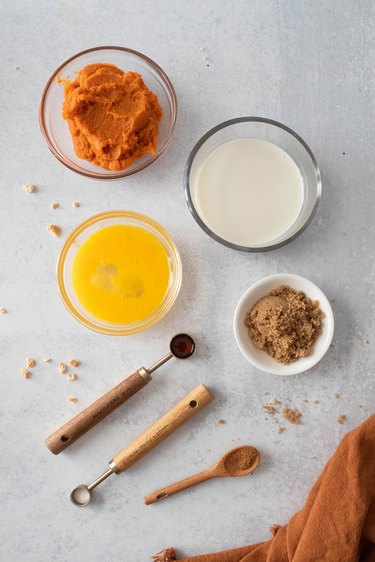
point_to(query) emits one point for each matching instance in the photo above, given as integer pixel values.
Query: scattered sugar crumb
(271, 407)
(306, 401)
(62, 368)
(315, 401)
(202, 49)
(54, 205)
(341, 419)
(292, 415)
(29, 187)
(46, 359)
(16, 68)
(71, 377)
(54, 230)
(221, 421)
(30, 363)
(205, 58)
(281, 429)
(2, 310)
(25, 373)
(337, 395)
(72, 399)
(274, 529)
(74, 362)
(76, 204)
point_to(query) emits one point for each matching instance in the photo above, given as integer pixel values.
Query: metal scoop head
(81, 495)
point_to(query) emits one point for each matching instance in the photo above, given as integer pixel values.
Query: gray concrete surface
(307, 64)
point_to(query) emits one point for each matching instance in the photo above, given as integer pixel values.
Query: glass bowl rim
(133, 327)
(189, 200)
(122, 173)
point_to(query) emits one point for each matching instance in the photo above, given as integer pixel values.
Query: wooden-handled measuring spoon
(237, 462)
(181, 346)
(193, 402)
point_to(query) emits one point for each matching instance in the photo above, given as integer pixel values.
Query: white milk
(248, 191)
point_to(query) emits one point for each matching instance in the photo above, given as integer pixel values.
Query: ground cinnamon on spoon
(241, 459)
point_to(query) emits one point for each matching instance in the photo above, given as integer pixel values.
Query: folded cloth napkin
(337, 522)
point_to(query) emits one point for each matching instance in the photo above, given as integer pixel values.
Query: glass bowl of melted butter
(119, 272)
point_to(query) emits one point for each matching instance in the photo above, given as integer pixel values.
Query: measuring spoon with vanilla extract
(181, 346)
(239, 461)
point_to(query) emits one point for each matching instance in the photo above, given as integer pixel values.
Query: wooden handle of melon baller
(193, 403)
(102, 407)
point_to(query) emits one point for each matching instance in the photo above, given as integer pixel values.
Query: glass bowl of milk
(252, 184)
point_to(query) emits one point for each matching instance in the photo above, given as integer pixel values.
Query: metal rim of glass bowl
(122, 173)
(189, 200)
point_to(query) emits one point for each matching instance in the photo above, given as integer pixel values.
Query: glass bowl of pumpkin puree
(119, 272)
(108, 112)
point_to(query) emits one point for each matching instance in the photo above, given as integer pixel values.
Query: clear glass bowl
(55, 128)
(80, 235)
(268, 130)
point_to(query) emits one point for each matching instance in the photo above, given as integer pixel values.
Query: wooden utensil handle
(179, 486)
(193, 403)
(95, 412)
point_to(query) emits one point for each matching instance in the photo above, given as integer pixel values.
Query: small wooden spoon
(237, 462)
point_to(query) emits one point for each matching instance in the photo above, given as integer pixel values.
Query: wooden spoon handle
(95, 412)
(179, 486)
(162, 428)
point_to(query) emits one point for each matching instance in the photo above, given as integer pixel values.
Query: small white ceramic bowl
(258, 357)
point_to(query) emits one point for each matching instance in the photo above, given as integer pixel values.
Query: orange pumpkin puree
(112, 116)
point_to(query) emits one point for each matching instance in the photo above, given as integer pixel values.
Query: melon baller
(181, 346)
(184, 410)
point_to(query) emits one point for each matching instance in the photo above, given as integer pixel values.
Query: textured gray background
(307, 64)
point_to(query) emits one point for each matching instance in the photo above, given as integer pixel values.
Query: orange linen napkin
(337, 522)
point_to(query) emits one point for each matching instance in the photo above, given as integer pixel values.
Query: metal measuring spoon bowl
(182, 346)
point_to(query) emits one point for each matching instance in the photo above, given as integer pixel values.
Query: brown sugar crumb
(71, 377)
(281, 429)
(166, 555)
(30, 363)
(274, 529)
(62, 368)
(2, 310)
(271, 407)
(341, 419)
(54, 230)
(285, 324)
(74, 362)
(292, 415)
(337, 395)
(221, 421)
(54, 205)
(76, 204)
(72, 399)
(315, 401)
(46, 359)
(305, 401)
(29, 187)
(25, 373)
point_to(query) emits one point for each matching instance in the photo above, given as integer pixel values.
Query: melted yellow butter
(121, 274)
